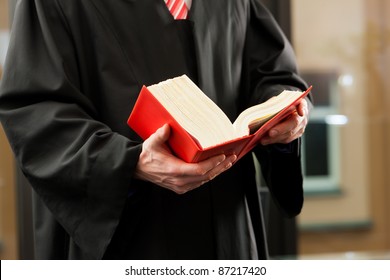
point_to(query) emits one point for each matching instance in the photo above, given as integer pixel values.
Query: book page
(254, 117)
(194, 111)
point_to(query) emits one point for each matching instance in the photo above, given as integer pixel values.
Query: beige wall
(3, 14)
(337, 45)
(8, 218)
(351, 37)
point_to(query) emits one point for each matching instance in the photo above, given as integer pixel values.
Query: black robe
(72, 75)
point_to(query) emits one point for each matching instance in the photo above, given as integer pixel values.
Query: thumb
(302, 108)
(162, 134)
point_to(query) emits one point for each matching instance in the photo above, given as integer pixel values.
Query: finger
(162, 134)
(212, 163)
(286, 131)
(225, 165)
(182, 174)
(201, 168)
(280, 130)
(302, 108)
(188, 183)
(294, 133)
(285, 126)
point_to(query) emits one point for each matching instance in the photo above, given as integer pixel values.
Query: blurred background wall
(343, 49)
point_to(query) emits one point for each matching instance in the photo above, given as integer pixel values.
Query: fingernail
(223, 157)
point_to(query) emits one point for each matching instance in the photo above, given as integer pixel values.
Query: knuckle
(200, 171)
(172, 170)
(287, 139)
(209, 177)
(165, 180)
(181, 192)
(296, 122)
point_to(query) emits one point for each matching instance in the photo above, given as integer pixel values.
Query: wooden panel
(4, 19)
(378, 100)
(8, 218)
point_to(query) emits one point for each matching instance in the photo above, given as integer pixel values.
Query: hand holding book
(156, 164)
(289, 129)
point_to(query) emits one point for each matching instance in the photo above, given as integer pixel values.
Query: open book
(199, 128)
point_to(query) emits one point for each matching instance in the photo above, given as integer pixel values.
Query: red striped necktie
(178, 8)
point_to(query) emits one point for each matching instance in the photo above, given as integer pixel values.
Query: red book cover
(148, 115)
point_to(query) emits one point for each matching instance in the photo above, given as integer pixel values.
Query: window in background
(321, 141)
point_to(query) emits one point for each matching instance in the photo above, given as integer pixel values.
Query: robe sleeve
(272, 69)
(79, 167)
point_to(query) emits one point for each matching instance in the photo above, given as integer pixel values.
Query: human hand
(291, 128)
(158, 165)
